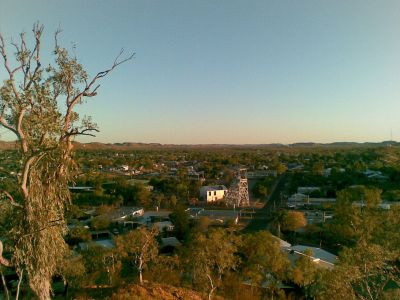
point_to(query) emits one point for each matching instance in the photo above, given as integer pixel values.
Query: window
(215, 193)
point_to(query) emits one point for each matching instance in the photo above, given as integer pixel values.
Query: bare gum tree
(38, 104)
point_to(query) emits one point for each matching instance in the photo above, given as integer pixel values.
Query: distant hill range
(137, 146)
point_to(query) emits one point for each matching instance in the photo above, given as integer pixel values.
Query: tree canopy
(38, 104)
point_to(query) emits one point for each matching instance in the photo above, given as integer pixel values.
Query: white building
(125, 168)
(213, 193)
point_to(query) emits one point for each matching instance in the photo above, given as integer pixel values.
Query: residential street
(261, 217)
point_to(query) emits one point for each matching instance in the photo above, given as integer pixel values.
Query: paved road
(261, 217)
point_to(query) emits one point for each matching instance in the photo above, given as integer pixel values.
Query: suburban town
(288, 200)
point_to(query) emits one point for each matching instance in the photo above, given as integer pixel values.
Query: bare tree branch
(21, 133)
(82, 132)
(5, 124)
(3, 261)
(25, 174)
(37, 31)
(18, 130)
(86, 91)
(58, 31)
(52, 223)
(10, 198)
(7, 66)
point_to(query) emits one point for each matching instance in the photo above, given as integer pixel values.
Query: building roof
(214, 187)
(81, 188)
(282, 243)
(170, 241)
(107, 244)
(317, 253)
(125, 212)
(163, 224)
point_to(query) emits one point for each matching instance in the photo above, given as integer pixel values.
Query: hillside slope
(156, 291)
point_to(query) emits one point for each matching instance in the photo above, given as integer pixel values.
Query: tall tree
(180, 219)
(38, 105)
(370, 260)
(305, 273)
(277, 219)
(294, 220)
(212, 255)
(138, 246)
(264, 261)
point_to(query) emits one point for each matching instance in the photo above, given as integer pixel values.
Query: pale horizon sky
(231, 72)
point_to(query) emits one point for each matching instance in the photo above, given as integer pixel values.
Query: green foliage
(73, 212)
(180, 218)
(136, 194)
(138, 247)
(392, 195)
(178, 187)
(79, 234)
(173, 201)
(353, 222)
(277, 219)
(211, 255)
(100, 264)
(318, 168)
(202, 224)
(37, 104)
(371, 271)
(370, 262)
(263, 256)
(262, 187)
(293, 220)
(166, 269)
(100, 223)
(306, 274)
(281, 168)
(73, 270)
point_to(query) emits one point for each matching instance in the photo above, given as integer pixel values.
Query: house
(99, 238)
(295, 167)
(298, 197)
(317, 216)
(169, 244)
(298, 200)
(213, 193)
(194, 211)
(81, 188)
(269, 279)
(377, 177)
(383, 205)
(261, 174)
(163, 225)
(327, 172)
(124, 213)
(369, 172)
(106, 244)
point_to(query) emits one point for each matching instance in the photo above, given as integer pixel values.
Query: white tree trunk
(20, 276)
(212, 287)
(3, 279)
(140, 271)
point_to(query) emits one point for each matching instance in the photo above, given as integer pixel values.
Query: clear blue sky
(232, 71)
